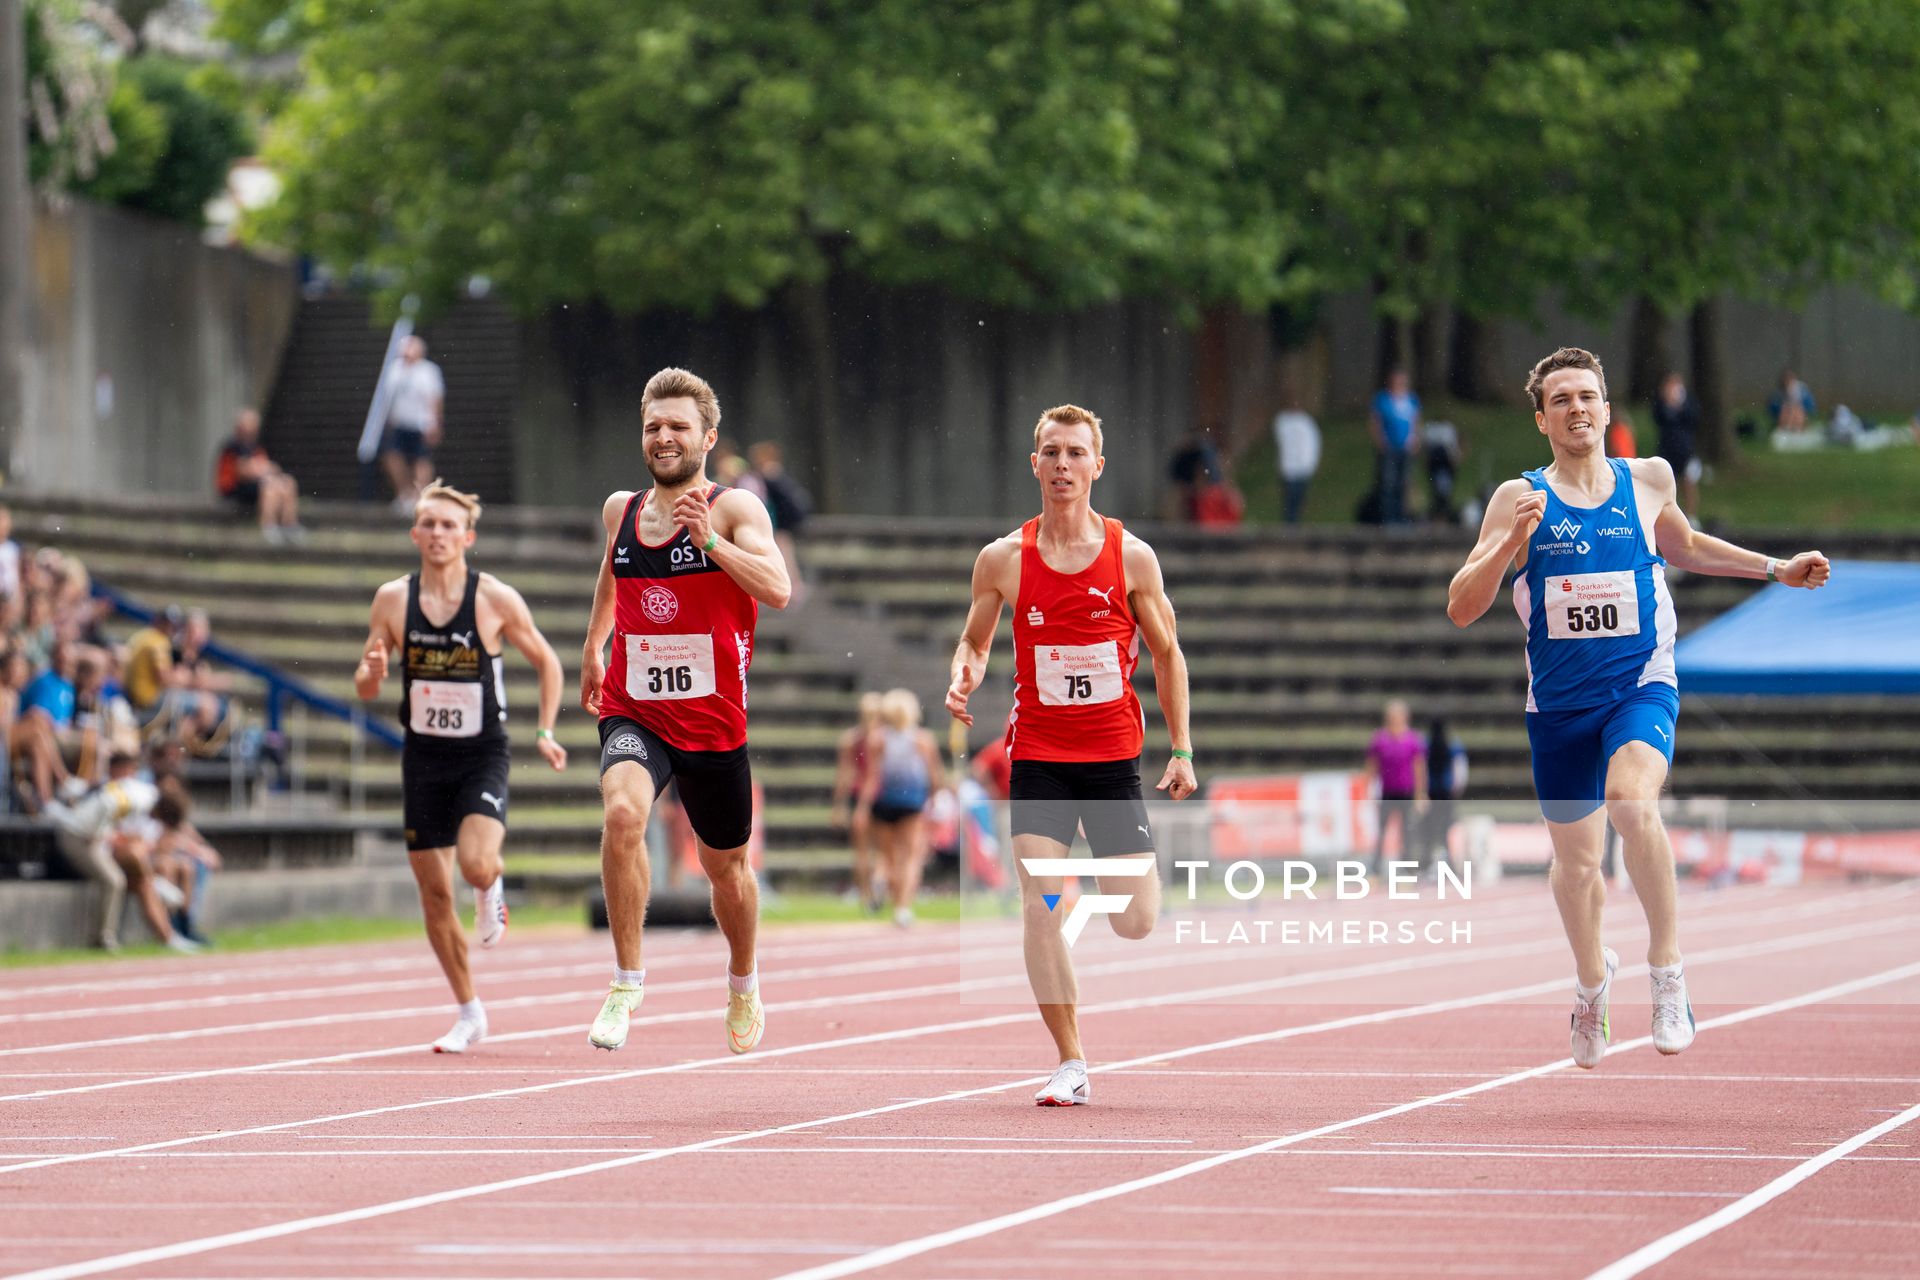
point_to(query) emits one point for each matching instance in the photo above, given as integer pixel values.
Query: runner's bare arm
(1153, 612)
(593, 663)
(518, 630)
(742, 537)
(383, 634)
(1696, 552)
(983, 618)
(1512, 514)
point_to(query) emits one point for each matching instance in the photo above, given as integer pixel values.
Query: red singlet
(682, 639)
(1075, 647)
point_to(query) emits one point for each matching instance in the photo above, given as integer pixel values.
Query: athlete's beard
(689, 467)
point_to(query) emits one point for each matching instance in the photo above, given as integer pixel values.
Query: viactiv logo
(1089, 904)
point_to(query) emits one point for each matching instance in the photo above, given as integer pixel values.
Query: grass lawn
(1828, 489)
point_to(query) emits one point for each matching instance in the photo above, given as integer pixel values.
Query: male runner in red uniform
(687, 564)
(1084, 593)
(453, 768)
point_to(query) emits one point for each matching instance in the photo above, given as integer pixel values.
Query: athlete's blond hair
(440, 489)
(899, 709)
(1071, 415)
(671, 384)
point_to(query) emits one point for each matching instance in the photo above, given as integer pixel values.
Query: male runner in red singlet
(1084, 593)
(453, 768)
(687, 564)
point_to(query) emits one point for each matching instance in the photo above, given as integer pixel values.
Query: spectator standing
(1195, 464)
(1440, 441)
(1676, 416)
(1397, 765)
(1620, 435)
(1297, 438)
(851, 811)
(903, 763)
(250, 480)
(788, 505)
(1395, 422)
(1791, 407)
(414, 423)
(1446, 783)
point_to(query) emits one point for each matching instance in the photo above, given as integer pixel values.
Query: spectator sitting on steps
(250, 480)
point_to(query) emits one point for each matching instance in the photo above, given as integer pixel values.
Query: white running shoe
(169, 893)
(746, 1020)
(490, 911)
(610, 1028)
(466, 1033)
(188, 947)
(1068, 1088)
(1672, 1013)
(1591, 1028)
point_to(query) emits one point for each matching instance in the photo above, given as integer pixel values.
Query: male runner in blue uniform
(1587, 536)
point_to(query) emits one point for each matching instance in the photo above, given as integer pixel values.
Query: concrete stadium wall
(937, 398)
(182, 332)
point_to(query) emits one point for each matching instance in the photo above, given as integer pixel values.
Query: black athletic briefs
(716, 787)
(439, 787)
(1057, 798)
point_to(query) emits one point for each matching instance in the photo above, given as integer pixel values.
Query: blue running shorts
(1571, 748)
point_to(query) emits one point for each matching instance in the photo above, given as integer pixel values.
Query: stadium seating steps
(1294, 639)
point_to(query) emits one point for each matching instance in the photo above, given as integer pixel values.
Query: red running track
(1357, 1111)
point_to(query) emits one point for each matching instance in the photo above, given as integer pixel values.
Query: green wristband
(1178, 754)
(542, 733)
(713, 540)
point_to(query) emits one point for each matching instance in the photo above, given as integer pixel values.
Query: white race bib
(1591, 606)
(1077, 675)
(660, 668)
(445, 710)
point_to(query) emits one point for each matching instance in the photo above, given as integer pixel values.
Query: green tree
(202, 138)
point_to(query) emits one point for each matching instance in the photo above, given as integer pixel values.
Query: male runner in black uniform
(452, 703)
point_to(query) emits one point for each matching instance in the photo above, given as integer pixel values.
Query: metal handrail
(281, 688)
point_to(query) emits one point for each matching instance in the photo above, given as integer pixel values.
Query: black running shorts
(438, 789)
(1057, 798)
(716, 787)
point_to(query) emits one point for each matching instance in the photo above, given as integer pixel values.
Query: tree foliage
(1198, 151)
(136, 131)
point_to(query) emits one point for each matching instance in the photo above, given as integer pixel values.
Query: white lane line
(1578, 1192)
(1156, 963)
(209, 1244)
(1557, 1146)
(1780, 943)
(851, 968)
(1036, 1213)
(1009, 1019)
(1708, 920)
(1666, 1246)
(305, 989)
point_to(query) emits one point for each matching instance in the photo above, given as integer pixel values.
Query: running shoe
(1591, 1028)
(610, 1028)
(169, 893)
(466, 1033)
(490, 911)
(188, 947)
(1069, 1087)
(746, 1020)
(1672, 1013)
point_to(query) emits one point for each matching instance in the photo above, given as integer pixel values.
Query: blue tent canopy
(1858, 634)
